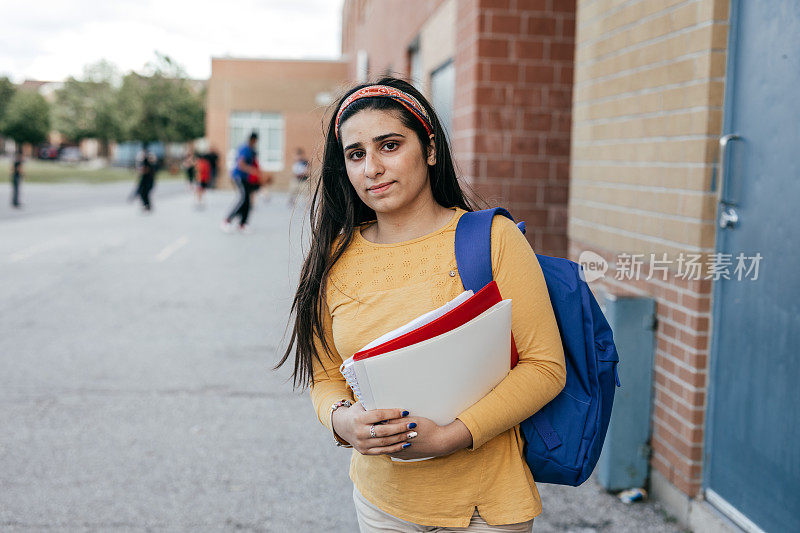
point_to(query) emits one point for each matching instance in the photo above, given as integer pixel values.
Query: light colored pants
(371, 519)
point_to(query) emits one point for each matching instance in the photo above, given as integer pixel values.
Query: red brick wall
(511, 125)
(683, 312)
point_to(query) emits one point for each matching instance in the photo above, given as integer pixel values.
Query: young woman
(383, 218)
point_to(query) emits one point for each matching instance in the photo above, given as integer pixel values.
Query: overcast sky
(52, 39)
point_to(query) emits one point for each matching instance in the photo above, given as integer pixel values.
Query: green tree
(161, 104)
(107, 126)
(106, 80)
(189, 114)
(137, 119)
(73, 112)
(86, 109)
(7, 90)
(27, 118)
(103, 71)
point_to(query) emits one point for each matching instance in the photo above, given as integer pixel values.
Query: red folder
(474, 306)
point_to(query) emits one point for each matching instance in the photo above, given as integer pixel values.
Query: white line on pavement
(172, 248)
(35, 249)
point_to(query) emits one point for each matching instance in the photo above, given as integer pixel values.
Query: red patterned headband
(405, 99)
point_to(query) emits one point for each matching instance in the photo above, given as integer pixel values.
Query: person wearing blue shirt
(246, 175)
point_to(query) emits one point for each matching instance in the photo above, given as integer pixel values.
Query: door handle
(728, 217)
(723, 150)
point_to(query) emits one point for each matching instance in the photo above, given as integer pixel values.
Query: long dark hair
(336, 211)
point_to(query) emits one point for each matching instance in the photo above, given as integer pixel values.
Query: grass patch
(36, 171)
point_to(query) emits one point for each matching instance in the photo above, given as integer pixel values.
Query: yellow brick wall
(647, 114)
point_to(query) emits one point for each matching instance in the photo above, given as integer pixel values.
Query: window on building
(362, 66)
(415, 64)
(443, 81)
(269, 127)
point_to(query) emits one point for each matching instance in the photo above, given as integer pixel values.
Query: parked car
(71, 154)
(48, 151)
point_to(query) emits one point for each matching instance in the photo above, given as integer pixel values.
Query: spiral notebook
(442, 367)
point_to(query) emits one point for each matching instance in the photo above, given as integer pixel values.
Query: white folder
(440, 377)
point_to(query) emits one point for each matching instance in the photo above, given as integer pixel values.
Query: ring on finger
(372, 431)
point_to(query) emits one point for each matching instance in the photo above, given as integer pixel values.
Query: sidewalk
(137, 391)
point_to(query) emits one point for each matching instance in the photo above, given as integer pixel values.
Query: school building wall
(512, 92)
(301, 91)
(647, 115)
(513, 109)
(384, 30)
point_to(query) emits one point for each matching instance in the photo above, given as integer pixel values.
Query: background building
(599, 123)
(285, 101)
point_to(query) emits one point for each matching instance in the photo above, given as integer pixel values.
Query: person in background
(203, 179)
(300, 171)
(189, 167)
(16, 179)
(147, 179)
(260, 184)
(213, 160)
(246, 166)
(257, 184)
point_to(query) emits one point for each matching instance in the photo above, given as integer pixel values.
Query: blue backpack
(563, 439)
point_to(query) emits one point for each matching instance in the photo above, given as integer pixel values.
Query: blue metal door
(753, 449)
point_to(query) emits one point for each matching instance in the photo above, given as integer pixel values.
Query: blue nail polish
(406, 445)
(405, 413)
(412, 425)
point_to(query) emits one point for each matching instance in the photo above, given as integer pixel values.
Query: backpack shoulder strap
(474, 246)
(474, 260)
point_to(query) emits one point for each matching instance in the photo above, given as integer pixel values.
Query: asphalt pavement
(136, 391)
(40, 198)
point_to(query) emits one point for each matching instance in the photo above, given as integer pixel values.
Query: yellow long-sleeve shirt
(375, 288)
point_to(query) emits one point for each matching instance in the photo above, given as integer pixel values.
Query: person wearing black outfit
(16, 178)
(147, 180)
(213, 160)
(189, 166)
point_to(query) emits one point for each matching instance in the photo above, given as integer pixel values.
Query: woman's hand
(391, 429)
(398, 435)
(432, 440)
